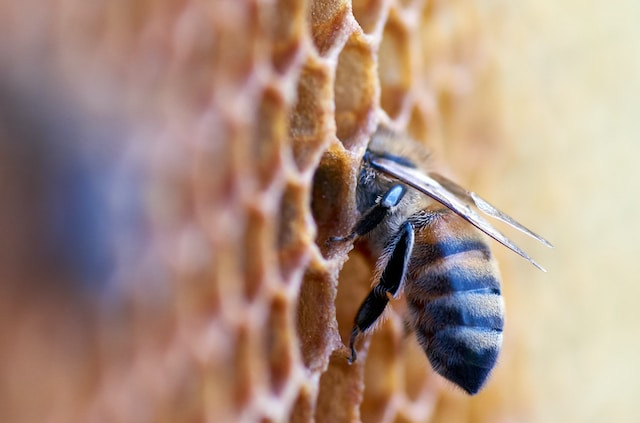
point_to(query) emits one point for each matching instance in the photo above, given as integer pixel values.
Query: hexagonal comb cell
(380, 378)
(258, 253)
(356, 89)
(293, 229)
(279, 334)
(394, 66)
(316, 317)
(332, 200)
(340, 388)
(309, 123)
(288, 23)
(327, 20)
(270, 136)
(248, 366)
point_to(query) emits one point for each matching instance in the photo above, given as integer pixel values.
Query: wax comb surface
(235, 130)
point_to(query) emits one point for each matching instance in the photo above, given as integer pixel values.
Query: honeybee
(431, 246)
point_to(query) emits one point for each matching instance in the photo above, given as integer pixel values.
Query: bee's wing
(452, 196)
(485, 206)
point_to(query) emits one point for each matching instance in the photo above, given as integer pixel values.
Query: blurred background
(169, 172)
(569, 84)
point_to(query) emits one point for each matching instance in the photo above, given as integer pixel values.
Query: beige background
(569, 83)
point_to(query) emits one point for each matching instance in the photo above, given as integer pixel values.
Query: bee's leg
(375, 214)
(392, 277)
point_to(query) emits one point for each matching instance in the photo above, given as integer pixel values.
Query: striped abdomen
(453, 292)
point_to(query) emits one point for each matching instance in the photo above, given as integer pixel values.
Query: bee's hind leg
(390, 282)
(375, 214)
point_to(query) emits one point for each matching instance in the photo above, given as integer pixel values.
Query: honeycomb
(171, 172)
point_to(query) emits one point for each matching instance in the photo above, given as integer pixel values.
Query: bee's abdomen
(454, 296)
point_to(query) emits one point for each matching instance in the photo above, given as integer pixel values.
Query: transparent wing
(457, 199)
(485, 206)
